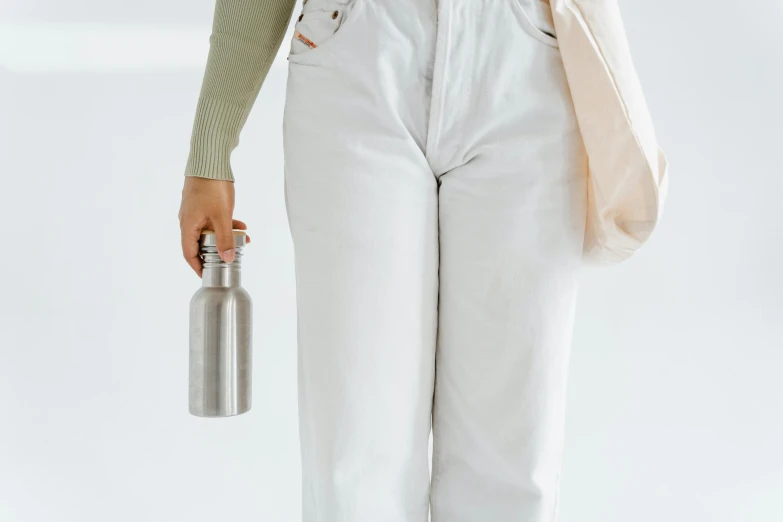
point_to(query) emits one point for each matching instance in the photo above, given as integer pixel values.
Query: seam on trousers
(433, 136)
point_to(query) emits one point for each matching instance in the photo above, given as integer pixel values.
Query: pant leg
(508, 279)
(512, 210)
(362, 207)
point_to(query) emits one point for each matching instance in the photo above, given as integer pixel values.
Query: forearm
(246, 35)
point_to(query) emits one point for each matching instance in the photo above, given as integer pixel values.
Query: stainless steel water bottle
(220, 335)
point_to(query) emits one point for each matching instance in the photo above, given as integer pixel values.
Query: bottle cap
(209, 239)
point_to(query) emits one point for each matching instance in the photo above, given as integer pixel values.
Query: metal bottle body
(220, 383)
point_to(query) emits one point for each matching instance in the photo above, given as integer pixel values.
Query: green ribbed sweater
(246, 35)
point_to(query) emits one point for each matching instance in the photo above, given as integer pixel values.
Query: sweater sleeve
(246, 35)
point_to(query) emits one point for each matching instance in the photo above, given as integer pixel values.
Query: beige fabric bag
(628, 173)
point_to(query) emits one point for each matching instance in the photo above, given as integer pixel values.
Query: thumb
(224, 235)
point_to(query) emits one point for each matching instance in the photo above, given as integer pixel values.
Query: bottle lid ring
(208, 238)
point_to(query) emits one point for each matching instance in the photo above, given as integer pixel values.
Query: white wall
(676, 406)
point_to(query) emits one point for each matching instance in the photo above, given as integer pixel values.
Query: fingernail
(228, 256)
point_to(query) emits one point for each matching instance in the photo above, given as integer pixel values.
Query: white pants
(435, 188)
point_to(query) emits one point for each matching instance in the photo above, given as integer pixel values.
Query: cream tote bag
(628, 173)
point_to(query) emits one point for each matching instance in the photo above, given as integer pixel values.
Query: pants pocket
(318, 25)
(536, 19)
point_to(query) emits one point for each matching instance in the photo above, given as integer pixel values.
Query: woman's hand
(207, 204)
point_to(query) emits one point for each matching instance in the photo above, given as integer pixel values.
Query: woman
(436, 192)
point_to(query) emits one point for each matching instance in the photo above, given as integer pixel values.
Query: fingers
(190, 247)
(240, 225)
(207, 204)
(195, 264)
(224, 235)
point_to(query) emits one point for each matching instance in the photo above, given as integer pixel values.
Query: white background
(675, 401)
